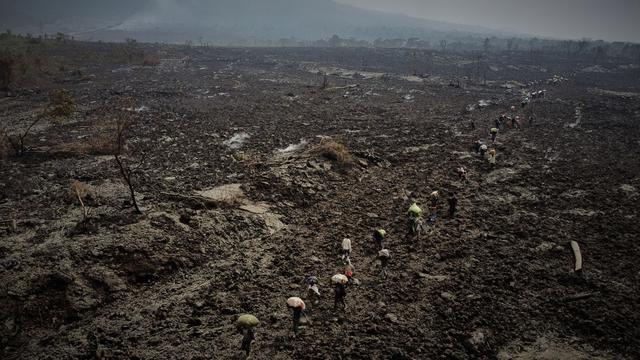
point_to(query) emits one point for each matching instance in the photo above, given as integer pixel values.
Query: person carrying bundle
(502, 119)
(434, 200)
(340, 290)
(494, 134)
(378, 238)
(414, 219)
(462, 173)
(483, 150)
(346, 249)
(414, 210)
(246, 326)
(492, 158)
(298, 306)
(313, 293)
(350, 273)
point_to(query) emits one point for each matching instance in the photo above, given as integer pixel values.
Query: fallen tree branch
(577, 256)
(579, 296)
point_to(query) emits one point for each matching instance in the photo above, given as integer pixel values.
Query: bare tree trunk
(126, 175)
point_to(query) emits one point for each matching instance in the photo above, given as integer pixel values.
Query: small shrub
(101, 142)
(150, 59)
(79, 191)
(62, 103)
(333, 150)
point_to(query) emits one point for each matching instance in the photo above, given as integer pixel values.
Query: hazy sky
(598, 19)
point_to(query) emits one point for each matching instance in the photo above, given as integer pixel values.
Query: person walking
(346, 249)
(453, 202)
(246, 326)
(340, 290)
(494, 134)
(378, 237)
(298, 306)
(313, 293)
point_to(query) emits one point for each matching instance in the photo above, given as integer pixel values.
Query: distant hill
(32, 12)
(218, 20)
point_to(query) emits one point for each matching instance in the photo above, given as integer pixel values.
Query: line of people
(247, 323)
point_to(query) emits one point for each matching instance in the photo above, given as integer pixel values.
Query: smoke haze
(598, 19)
(232, 20)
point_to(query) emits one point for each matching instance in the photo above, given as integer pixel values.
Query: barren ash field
(250, 166)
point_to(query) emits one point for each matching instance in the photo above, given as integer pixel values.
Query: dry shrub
(150, 59)
(62, 103)
(102, 140)
(78, 190)
(99, 140)
(334, 150)
(102, 143)
(78, 147)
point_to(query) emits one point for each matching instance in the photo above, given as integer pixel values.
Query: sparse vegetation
(27, 62)
(61, 105)
(150, 59)
(288, 192)
(79, 191)
(333, 150)
(121, 126)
